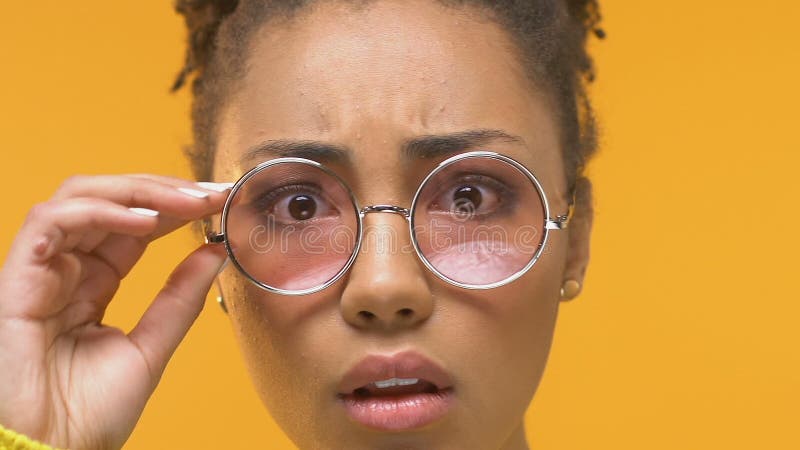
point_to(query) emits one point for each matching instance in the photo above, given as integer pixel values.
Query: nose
(386, 288)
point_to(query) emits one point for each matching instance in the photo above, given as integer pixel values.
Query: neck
(516, 440)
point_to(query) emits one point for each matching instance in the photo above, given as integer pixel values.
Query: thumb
(174, 310)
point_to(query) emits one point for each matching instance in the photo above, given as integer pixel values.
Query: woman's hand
(66, 379)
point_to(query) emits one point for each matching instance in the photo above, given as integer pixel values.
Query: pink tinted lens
(479, 220)
(292, 226)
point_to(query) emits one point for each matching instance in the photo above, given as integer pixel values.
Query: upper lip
(406, 364)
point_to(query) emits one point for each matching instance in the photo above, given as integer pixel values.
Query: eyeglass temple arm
(209, 235)
(559, 222)
(213, 237)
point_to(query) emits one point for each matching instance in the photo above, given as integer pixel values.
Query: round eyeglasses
(478, 220)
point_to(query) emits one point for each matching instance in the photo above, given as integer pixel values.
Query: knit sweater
(11, 440)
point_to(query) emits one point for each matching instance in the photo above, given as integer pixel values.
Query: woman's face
(368, 80)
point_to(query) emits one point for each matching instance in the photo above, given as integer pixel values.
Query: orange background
(686, 335)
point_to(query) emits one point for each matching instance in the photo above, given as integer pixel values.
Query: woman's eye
(292, 204)
(467, 197)
(478, 196)
(302, 207)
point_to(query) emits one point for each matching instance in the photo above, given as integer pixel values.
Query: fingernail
(217, 187)
(144, 211)
(193, 192)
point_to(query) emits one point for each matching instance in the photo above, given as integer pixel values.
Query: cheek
(512, 326)
(280, 335)
(503, 336)
(293, 348)
(263, 334)
(528, 307)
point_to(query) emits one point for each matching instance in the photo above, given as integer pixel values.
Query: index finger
(176, 198)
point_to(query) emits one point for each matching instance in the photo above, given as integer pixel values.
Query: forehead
(373, 76)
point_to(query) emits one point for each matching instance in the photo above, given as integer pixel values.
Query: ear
(579, 232)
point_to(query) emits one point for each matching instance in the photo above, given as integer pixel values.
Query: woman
(359, 330)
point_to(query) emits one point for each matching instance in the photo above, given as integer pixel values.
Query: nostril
(366, 314)
(405, 312)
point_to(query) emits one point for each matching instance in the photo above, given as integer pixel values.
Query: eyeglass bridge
(387, 209)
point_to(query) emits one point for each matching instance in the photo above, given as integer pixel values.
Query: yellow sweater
(10, 440)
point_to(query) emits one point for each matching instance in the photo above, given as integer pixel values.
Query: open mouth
(396, 387)
(415, 393)
(397, 404)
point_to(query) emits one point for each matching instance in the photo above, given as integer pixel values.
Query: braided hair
(552, 36)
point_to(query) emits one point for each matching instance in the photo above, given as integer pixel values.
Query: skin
(65, 265)
(59, 360)
(368, 78)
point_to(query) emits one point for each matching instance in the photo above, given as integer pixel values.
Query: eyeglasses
(478, 220)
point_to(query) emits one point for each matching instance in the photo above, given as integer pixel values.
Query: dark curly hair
(552, 36)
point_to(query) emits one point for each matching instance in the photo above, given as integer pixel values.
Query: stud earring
(221, 302)
(570, 289)
(220, 298)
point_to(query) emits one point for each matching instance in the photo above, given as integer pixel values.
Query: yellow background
(686, 336)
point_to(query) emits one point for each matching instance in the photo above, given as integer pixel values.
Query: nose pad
(386, 287)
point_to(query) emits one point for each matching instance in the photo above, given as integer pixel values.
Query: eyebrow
(438, 145)
(315, 150)
(418, 147)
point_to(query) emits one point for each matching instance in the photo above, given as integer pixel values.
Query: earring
(220, 299)
(221, 302)
(570, 289)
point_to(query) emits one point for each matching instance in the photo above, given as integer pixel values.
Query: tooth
(396, 382)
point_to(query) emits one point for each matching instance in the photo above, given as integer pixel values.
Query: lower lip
(398, 413)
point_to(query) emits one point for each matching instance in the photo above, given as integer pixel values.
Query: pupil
(302, 207)
(467, 197)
